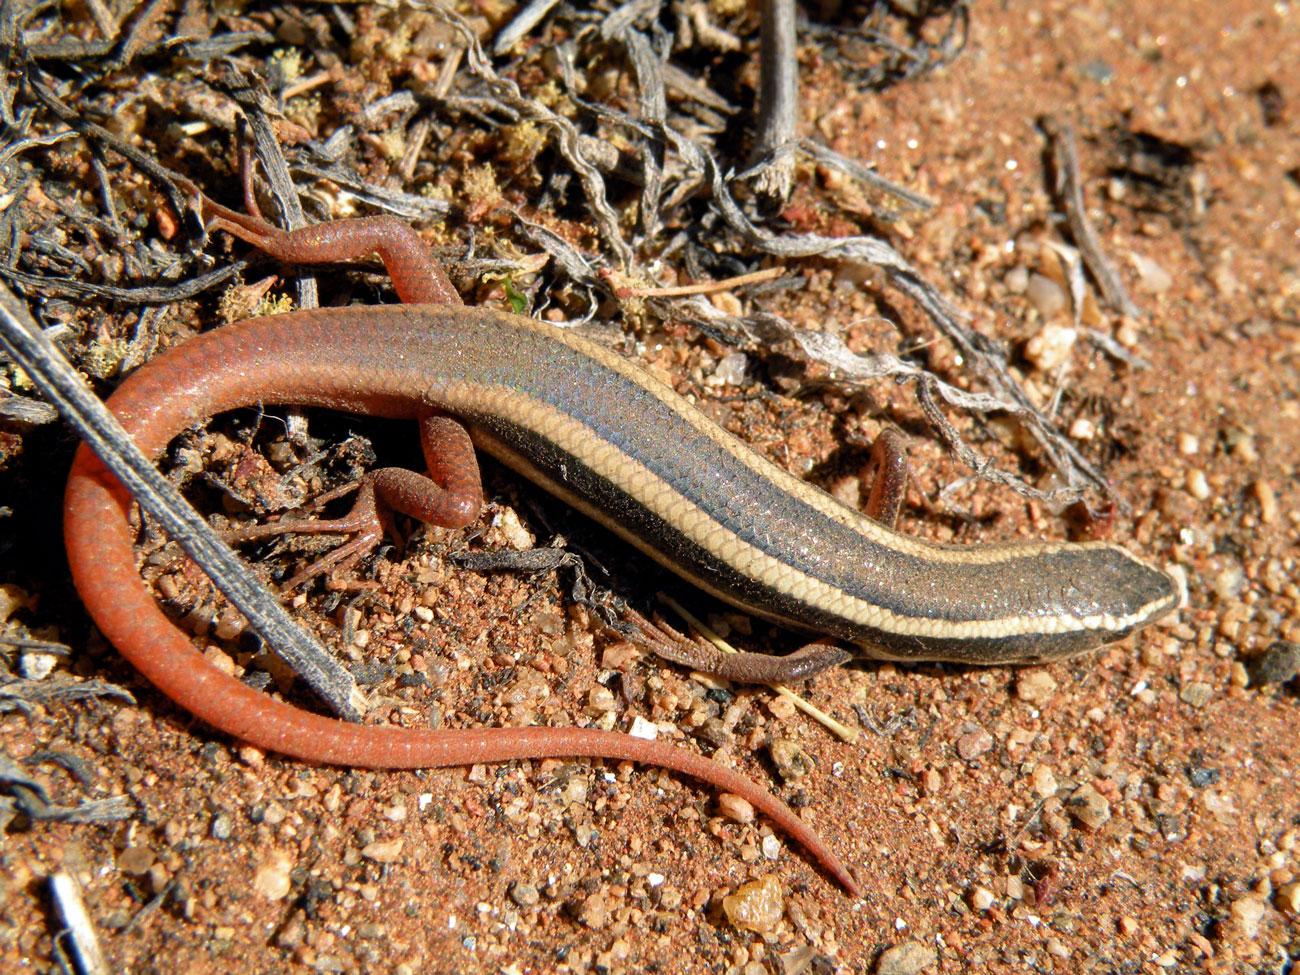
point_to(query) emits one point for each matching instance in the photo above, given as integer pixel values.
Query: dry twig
(1069, 189)
(78, 929)
(778, 101)
(25, 343)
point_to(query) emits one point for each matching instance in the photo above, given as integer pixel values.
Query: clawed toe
(364, 522)
(742, 667)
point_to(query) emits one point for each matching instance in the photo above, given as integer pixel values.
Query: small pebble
(517, 536)
(1201, 943)
(1243, 447)
(1288, 898)
(274, 814)
(271, 879)
(222, 826)
(135, 859)
(1238, 676)
(981, 899)
(1046, 296)
(594, 912)
(159, 878)
(670, 898)
(756, 906)
(1082, 429)
(1051, 347)
(725, 301)
(1197, 693)
(12, 599)
(621, 656)
(1276, 665)
(36, 666)
(1229, 583)
(1247, 912)
(735, 808)
(715, 732)
(1197, 485)
(383, 851)
(1224, 279)
(790, 760)
(525, 895)
(1035, 686)
(1017, 279)
(396, 813)
(781, 708)
(1098, 70)
(1153, 278)
(1089, 807)
(730, 370)
(1188, 444)
(1268, 511)
(909, 958)
(973, 744)
(600, 700)
(229, 625)
(1044, 781)
(643, 729)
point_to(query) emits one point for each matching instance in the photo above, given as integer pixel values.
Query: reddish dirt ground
(1136, 809)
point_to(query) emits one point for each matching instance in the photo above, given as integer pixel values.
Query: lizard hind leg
(450, 496)
(742, 666)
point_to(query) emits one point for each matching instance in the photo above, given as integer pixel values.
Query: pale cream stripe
(578, 440)
(787, 482)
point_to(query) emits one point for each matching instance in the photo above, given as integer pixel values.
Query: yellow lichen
(273, 305)
(756, 906)
(288, 62)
